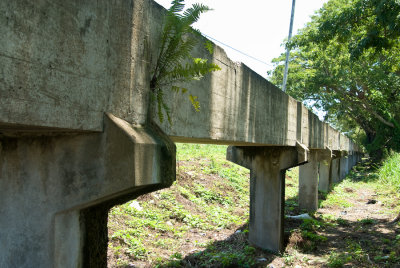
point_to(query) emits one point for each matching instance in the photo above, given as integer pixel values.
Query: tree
(379, 19)
(175, 63)
(356, 82)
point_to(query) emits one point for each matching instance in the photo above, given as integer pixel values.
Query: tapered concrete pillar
(308, 183)
(313, 176)
(55, 190)
(325, 162)
(335, 167)
(344, 165)
(267, 189)
(355, 159)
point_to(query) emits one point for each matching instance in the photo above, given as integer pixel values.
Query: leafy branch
(175, 63)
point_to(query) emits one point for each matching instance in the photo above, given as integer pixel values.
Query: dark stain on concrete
(84, 29)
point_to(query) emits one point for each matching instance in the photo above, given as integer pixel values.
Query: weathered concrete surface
(325, 179)
(343, 165)
(308, 184)
(267, 189)
(310, 178)
(46, 182)
(335, 167)
(64, 63)
(325, 162)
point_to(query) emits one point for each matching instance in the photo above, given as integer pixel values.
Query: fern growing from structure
(174, 63)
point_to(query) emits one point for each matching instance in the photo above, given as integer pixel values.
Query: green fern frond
(195, 102)
(209, 46)
(192, 14)
(174, 63)
(176, 7)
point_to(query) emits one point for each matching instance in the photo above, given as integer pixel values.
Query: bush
(389, 173)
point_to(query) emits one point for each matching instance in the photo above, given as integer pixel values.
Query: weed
(367, 221)
(311, 225)
(389, 173)
(288, 259)
(336, 260)
(343, 222)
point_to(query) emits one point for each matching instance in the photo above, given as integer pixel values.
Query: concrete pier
(311, 177)
(56, 191)
(344, 165)
(308, 183)
(267, 189)
(325, 163)
(335, 167)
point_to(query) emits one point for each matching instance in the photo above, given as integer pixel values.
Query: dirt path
(360, 235)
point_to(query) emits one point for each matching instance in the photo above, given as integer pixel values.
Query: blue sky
(255, 27)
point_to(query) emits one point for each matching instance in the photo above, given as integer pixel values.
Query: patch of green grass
(389, 172)
(335, 200)
(353, 253)
(343, 222)
(292, 183)
(337, 260)
(210, 193)
(367, 221)
(187, 151)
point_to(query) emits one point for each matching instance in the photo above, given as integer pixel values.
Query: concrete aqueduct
(78, 135)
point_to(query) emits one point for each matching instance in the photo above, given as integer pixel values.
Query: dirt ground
(360, 234)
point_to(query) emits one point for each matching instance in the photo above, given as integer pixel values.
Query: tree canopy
(346, 61)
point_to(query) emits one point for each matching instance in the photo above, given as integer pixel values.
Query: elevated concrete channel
(78, 133)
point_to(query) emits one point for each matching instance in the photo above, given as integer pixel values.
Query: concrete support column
(325, 179)
(55, 190)
(308, 183)
(267, 189)
(335, 171)
(344, 165)
(325, 163)
(355, 158)
(318, 166)
(335, 167)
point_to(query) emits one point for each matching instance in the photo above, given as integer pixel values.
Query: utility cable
(243, 53)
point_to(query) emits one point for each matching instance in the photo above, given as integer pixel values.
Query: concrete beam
(55, 191)
(267, 189)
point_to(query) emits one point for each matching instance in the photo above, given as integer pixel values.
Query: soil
(364, 224)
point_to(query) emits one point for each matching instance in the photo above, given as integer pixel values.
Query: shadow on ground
(324, 241)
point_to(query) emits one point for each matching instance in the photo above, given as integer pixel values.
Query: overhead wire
(237, 50)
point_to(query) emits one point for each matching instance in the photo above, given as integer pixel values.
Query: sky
(255, 27)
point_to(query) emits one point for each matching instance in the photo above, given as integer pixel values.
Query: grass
(211, 194)
(389, 172)
(202, 219)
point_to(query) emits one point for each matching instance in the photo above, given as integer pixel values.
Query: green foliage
(338, 260)
(208, 199)
(175, 63)
(339, 196)
(379, 20)
(361, 94)
(389, 172)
